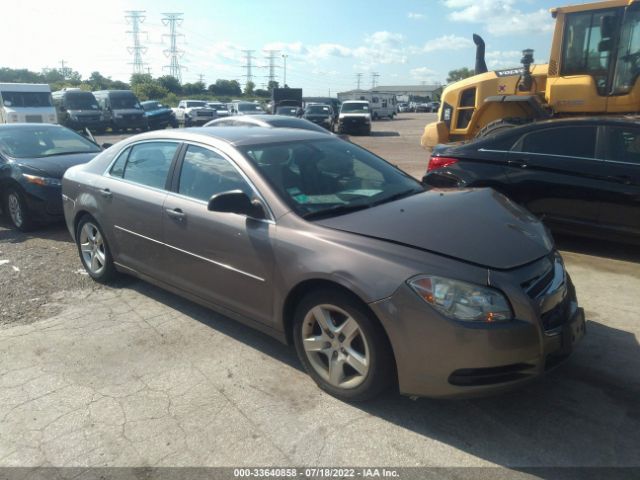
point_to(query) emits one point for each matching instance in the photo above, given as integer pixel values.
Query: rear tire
(497, 126)
(342, 346)
(94, 251)
(17, 211)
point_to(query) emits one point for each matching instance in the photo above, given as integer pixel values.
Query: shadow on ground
(56, 231)
(598, 248)
(584, 413)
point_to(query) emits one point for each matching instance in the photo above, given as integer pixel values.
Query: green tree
(272, 84)
(459, 74)
(225, 88)
(195, 88)
(249, 88)
(262, 93)
(171, 84)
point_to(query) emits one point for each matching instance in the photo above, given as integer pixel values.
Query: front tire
(94, 251)
(342, 346)
(17, 210)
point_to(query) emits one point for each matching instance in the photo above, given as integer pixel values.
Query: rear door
(555, 174)
(621, 202)
(133, 193)
(224, 258)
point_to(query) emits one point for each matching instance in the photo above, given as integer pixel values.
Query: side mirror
(236, 201)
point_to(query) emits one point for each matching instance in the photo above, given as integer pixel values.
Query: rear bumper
(439, 357)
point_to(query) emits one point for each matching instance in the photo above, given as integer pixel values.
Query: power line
(173, 21)
(248, 56)
(136, 17)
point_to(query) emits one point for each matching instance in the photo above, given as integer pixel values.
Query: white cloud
(415, 16)
(500, 17)
(447, 42)
(503, 59)
(424, 74)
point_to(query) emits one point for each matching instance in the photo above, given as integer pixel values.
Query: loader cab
(595, 59)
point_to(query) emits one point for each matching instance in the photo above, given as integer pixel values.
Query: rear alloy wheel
(17, 210)
(94, 251)
(342, 348)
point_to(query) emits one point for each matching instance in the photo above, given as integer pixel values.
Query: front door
(224, 258)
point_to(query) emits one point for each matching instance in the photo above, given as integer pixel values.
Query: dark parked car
(581, 176)
(289, 111)
(321, 115)
(265, 120)
(318, 242)
(158, 115)
(33, 158)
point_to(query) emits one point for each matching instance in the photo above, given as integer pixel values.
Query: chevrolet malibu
(324, 245)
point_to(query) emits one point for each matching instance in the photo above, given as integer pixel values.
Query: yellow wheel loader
(592, 70)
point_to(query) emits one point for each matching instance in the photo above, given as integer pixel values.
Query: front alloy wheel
(17, 210)
(342, 345)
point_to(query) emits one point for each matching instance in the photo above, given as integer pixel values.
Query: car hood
(56, 165)
(160, 111)
(479, 226)
(127, 111)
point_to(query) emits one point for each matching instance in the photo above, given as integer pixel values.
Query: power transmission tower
(173, 21)
(248, 56)
(374, 79)
(136, 17)
(201, 78)
(358, 80)
(271, 57)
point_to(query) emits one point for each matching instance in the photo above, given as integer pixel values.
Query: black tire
(381, 371)
(17, 210)
(108, 272)
(497, 126)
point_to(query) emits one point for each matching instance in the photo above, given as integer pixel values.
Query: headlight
(42, 181)
(461, 300)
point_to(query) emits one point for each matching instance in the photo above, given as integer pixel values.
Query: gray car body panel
(249, 272)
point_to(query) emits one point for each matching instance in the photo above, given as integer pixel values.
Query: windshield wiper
(397, 196)
(337, 210)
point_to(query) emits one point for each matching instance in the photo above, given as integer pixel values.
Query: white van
(381, 104)
(26, 103)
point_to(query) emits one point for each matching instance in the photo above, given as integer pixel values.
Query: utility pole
(248, 56)
(64, 71)
(358, 80)
(374, 78)
(173, 21)
(285, 56)
(135, 18)
(271, 57)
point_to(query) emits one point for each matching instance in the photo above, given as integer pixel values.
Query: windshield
(81, 101)
(26, 99)
(149, 106)
(628, 59)
(249, 107)
(321, 178)
(31, 142)
(196, 104)
(124, 100)
(318, 109)
(355, 107)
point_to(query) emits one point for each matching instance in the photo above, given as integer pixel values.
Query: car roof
(237, 136)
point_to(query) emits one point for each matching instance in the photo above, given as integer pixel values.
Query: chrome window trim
(219, 264)
(593, 159)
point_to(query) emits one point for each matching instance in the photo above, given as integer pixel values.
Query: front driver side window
(204, 173)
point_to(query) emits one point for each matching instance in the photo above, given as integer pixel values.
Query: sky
(327, 42)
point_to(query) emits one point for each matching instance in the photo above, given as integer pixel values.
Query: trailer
(381, 104)
(289, 97)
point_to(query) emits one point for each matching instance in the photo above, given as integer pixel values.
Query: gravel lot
(129, 375)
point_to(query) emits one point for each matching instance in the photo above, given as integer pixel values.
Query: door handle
(175, 213)
(517, 163)
(105, 192)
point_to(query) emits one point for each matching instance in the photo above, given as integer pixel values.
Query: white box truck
(26, 103)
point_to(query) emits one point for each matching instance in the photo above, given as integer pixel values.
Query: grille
(33, 118)
(205, 114)
(537, 285)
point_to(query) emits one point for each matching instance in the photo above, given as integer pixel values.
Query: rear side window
(624, 145)
(565, 141)
(146, 163)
